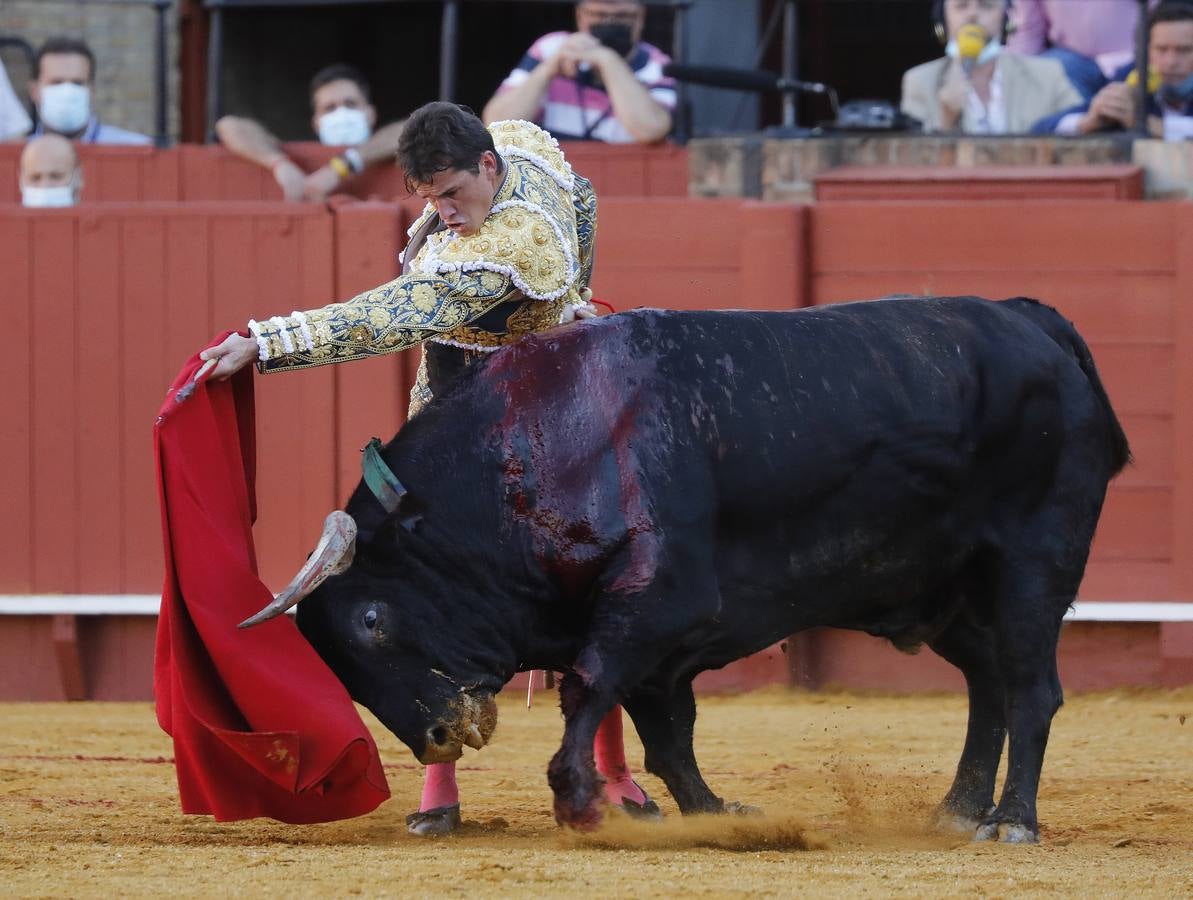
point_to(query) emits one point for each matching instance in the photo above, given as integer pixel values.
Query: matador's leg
(608, 750)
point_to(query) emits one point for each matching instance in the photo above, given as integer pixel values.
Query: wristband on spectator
(355, 161)
(339, 166)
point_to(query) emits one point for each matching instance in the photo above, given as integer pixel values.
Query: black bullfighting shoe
(647, 810)
(437, 821)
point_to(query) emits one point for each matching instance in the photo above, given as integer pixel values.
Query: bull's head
(388, 649)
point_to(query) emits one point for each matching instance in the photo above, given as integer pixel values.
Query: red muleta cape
(261, 726)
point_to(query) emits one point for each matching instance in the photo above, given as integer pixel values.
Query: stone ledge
(783, 169)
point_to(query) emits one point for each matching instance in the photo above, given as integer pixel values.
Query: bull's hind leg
(970, 648)
(1030, 604)
(666, 724)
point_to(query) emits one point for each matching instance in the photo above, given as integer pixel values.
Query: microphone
(971, 39)
(741, 79)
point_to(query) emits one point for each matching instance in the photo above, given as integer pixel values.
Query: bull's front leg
(666, 724)
(572, 773)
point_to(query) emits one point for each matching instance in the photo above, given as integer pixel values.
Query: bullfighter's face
(384, 652)
(462, 197)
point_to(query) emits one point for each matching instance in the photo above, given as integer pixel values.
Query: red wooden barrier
(700, 254)
(106, 303)
(198, 173)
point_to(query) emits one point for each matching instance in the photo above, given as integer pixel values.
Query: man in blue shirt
(64, 75)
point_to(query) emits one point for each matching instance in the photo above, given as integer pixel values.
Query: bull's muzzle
(470, 723)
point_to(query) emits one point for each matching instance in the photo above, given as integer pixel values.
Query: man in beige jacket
(990, 91)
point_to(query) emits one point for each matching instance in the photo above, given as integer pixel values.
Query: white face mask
(989, 52)
(48, 197)
(343, 127)
(65, 107)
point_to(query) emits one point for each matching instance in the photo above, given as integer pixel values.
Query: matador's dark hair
(441, 136)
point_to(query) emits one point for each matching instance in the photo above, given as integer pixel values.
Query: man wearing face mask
(64, 76)
(50, 175)
(978, 87)
(1170, 98)
(341, 115)
(600, 83)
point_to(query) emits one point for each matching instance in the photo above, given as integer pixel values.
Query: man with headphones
(1170, 95)
(978, 87)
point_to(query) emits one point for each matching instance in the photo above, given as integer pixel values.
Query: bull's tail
(1061, 330)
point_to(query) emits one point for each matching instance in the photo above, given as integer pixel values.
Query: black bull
(635, 500)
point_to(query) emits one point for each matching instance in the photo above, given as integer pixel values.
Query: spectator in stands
(64, 76)
(602, 82)
(341, 115)
(1091, 40)
(14, 120)
(50, 173)
(1170, 102)
(991, 92)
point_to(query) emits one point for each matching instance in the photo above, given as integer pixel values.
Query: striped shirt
(577, 109)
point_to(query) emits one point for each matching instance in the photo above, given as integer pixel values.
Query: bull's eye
(370, 619)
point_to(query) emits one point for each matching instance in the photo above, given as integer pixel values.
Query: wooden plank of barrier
(98, 525)
(117, 656)
(667, 172)
(10, 172)
(773, 256)
(55, 398)
(370, 397)
(16, 404)
(317, 233)
(292, 269)
(65, 637)
(146, 370)
(896, 237)
(1182, 383)
(672, 253)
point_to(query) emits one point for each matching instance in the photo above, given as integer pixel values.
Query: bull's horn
(332, 556)
(473, 737)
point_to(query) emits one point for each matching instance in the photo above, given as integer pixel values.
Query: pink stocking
(608, 749)
(439, 787)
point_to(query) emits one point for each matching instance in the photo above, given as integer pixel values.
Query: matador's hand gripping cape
(534, 251)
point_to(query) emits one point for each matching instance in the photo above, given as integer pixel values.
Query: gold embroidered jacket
(534, 251)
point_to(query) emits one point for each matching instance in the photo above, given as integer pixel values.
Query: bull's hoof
(581, 818)
(1006, 833)
(434, 822)
(734, 808)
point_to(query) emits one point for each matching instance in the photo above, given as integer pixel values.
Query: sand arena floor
(88, 808)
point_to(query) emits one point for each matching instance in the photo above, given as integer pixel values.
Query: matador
(504, 247)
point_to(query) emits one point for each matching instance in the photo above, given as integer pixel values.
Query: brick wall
(122, 34)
